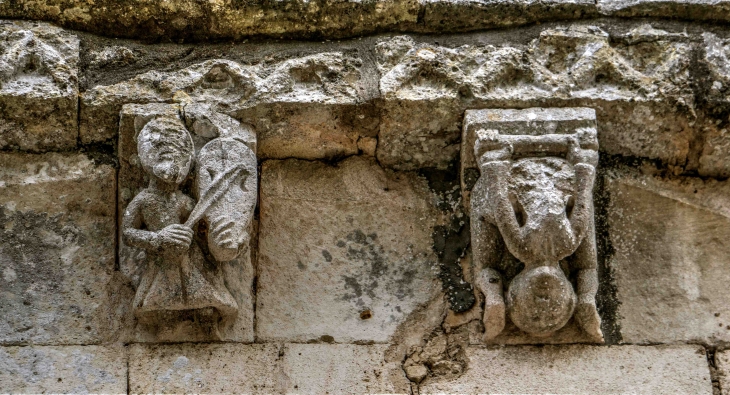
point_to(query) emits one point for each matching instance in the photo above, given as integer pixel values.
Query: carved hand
(577, 155)
(175, 236)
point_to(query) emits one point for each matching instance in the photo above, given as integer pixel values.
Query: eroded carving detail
(532, 224)
(186, 240)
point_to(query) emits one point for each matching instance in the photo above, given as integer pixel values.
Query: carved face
(541, 190)
(165, 149)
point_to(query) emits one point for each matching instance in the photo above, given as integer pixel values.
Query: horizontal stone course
(230, 19)
(580, 370)
(263, 369)
(63, 369)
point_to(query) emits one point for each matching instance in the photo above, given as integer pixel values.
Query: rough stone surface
(231, 19)
(57, 226)
(722, 362)
(263, 368)
(348, 247)
(581, 370)
(308, 107)
(204, 368)
(69, 369)
(671, 253)
(38, 87)
(701, 10)
(637, 82)
(342, 369)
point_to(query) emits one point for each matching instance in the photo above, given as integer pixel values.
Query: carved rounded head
(165, 149)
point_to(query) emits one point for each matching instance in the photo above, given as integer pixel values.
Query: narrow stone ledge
(581, 370)
(63, 369)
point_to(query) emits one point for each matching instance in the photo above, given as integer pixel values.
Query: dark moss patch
(450, 244)
(607, 297)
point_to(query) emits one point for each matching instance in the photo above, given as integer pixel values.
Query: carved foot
(588, 319)
(489, 283)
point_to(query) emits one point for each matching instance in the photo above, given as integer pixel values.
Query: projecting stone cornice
(202, 20)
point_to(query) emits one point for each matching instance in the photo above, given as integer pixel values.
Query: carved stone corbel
(188, 228)
(532, 229)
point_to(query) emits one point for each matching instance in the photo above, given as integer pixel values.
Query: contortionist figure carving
(534, 198)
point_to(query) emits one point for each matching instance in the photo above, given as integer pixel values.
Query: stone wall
(357, 270)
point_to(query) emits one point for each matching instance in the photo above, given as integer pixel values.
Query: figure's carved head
(165, 149)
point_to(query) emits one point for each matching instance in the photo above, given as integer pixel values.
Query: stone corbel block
(188, 188)
(528, 178)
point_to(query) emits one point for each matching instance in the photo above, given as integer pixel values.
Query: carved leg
(586, 312)
(489, 283)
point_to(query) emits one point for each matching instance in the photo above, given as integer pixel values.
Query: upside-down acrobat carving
(534, 199)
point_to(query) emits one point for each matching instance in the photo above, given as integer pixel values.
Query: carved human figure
(161, 221)
(534, 199)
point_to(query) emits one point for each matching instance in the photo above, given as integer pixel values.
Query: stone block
(57, 248)
(671, 243)
(580, 370)
(314, 106)
(204, 368)
(699, 10)
(342, 369)
(345, 251)
(455, 15)
(264, 369)
(641, 110)
(38, 87)
(63, 369)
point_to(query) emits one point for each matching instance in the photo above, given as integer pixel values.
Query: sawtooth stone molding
(532, 222)
(38, 87)
(188, 254)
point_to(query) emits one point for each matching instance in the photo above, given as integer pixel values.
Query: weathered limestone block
(700, 10)
(457, 15)
(311, 107)
(342, 369)
(264, 369)
(638, 83)
(671, 255)
(57, 227)
(581, 370)
(533, 241)
(345, 251)
(714, 80)
(63, 369)
(38, 87)
(205, 368)
(188, 254)
(224, 19)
